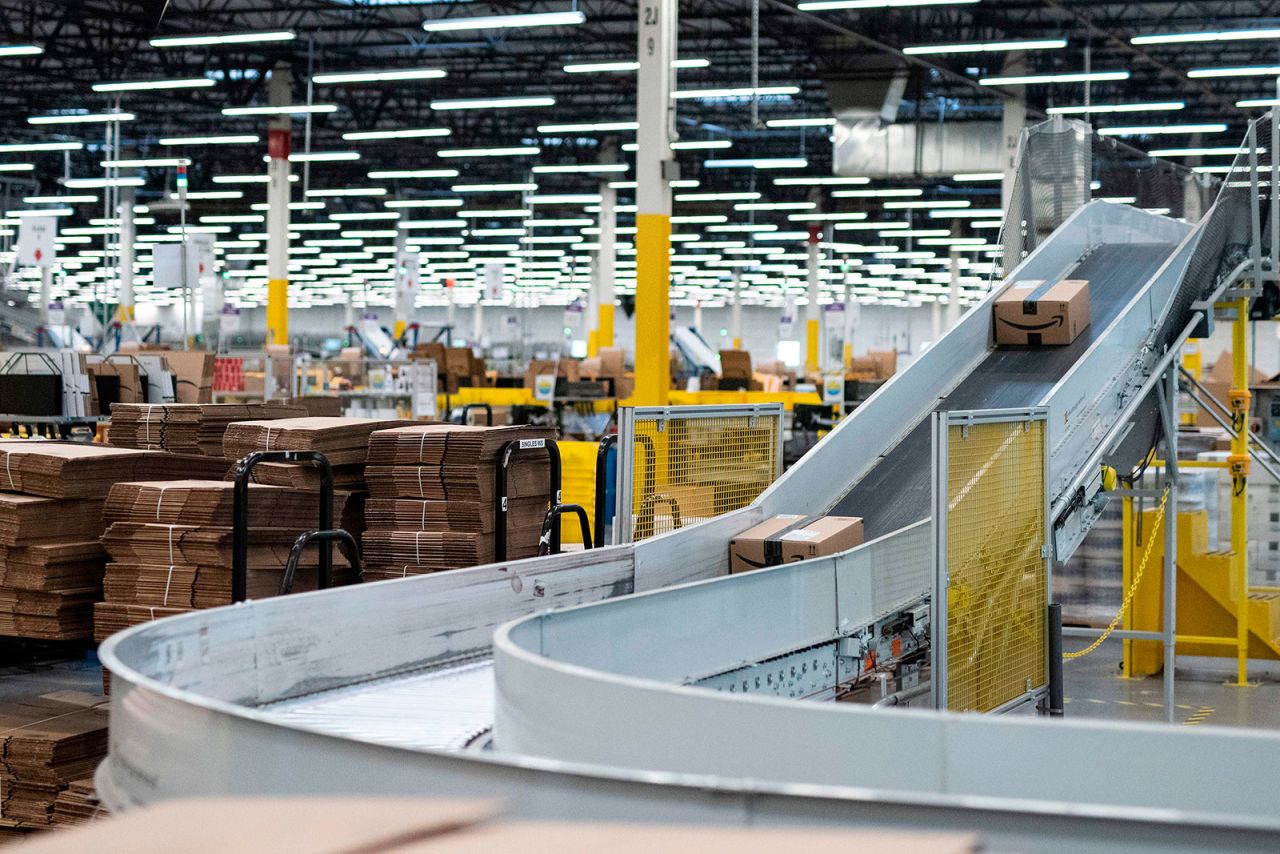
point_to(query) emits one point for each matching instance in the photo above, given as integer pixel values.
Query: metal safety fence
(678, 465)
(990, 511)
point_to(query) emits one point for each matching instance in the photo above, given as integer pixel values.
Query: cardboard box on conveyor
(1035, 312)
(791, 538)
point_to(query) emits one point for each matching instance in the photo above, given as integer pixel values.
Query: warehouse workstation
(660, 426)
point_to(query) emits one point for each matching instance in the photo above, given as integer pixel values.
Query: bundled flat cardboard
(187, 428)
(411, 514)
(432, 444)
(78, 803)
(112, 617)
(78, 470)
(187, 586)
(789, 538)
(29, 519)
(210, 502)
(343, 441)
(401, 825)
(134, 542)
(53, 567)
(1036, 312)
(47, 742)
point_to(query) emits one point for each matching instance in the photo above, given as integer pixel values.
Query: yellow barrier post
(812, 358)
(1126, 579)
(1238, 401)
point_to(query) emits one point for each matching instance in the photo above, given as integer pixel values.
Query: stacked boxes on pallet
(51, 560)
(433, 497)
(47, 743)
(171, 547)
(187, 428)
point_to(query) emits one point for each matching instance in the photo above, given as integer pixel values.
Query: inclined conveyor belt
(895, 493)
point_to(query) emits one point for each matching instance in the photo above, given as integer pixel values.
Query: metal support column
(812, 324)
(406, 278)
(606, 260)
(279, 143)
(1013, 119)
(735, 321)
(128, 237)
(1169, 418)
(655, 168)
(46, 292)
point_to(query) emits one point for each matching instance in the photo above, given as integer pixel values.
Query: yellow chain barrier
(1133, 588)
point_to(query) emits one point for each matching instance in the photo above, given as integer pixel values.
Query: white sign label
(166, 259)
(833, 388)
(57, 314)
(408, 278)
(534, 443)
(35, 241)
(494, 287)
(229, 320)
(573, 315)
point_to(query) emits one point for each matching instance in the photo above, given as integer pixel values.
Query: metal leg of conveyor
(1168, 395)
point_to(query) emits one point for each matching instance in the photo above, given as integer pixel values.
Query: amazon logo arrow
(1056, 320)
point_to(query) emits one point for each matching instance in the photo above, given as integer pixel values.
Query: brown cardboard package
(791, 538)
(1031, 311)
(735, 364)
(402, 825)
(613, 361)
(192, 375)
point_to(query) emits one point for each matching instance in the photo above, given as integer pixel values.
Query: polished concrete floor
(1204, 691)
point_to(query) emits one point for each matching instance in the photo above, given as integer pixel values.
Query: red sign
(278, 142)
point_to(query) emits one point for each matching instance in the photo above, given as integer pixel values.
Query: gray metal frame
(624, 521)
(941, 577)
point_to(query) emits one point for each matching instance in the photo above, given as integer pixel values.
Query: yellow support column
(604, 327)
(1238, 462)
(812, 358)
(593, 346)
(655, 114)
(653, 309)
(279, 142)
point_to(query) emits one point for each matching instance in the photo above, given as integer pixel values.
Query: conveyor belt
(437, 710)
(895, 493)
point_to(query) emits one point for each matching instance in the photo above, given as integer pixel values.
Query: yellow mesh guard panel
(699, 467)
(996, 597)
(577, 486)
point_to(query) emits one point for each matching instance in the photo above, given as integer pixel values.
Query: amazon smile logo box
(1036, 312)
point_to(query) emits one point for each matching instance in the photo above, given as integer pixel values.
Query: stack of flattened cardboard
(343, 441)
(170, 547)
(47, 742)
(186, 428)
(77, 470)
(433, 497)
(51, 562)
(78, 803)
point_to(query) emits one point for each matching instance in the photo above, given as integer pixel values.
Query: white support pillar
(1013, 119)
(477, 323)
(279, 144)
(851, 314)
(812, 314)
(735, 323)
(405, 283)
(128, 238)
(655, 114)
(953, 296)
(606, 259)
(46, 292)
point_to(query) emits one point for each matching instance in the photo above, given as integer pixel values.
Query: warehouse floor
(1094, 689)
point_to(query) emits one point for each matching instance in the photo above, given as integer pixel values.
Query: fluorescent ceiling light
(424, 203)
(758, 163)
(403, 133)
(348, 191)
(1237, 71)
(800, 123)
(899, 192)
(225, 139)
(151, 85)
(605, 67)
(322, 156)
(1199, 151)
(984, 47)
(776, 206)
(145, 162)
(964, 177)
(17, 167)
(592, 127)
(350, 217)
(699, 144)
(43, 212)
(1138, 107)
(20, 50)
(493, 188)
(493, 103)
(569, 168)
(717, 197)
(81, 118)
(389, 174)
(498, 213)
(739, 92)
(512, 151)
(282, 110)
(1152, 130)
(566, 199)
(222, 38)
(59, 200)
(823, 5)
(1067, 77)
(804, 182)
(246, 179)
(41, 146)
(94, 183)
(1206, 36)
(378, 76)
(1248, 103)
(503, 22)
